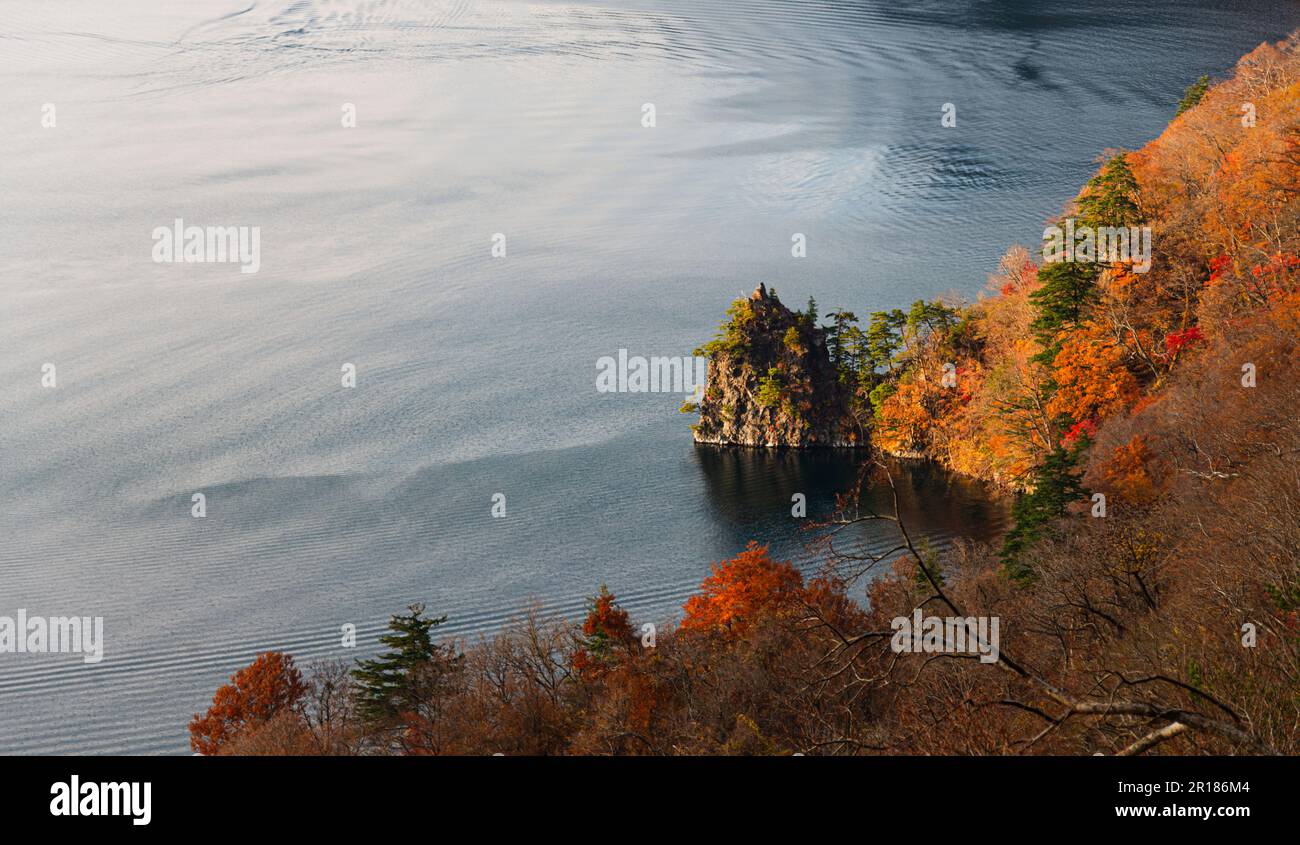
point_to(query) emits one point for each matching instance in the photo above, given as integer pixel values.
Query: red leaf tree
(607, 636)
(741, 590)
(269, 685)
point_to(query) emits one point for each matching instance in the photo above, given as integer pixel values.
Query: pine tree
(1193, 94)
(836, 336)
(1056, 486)
(930, 317)
(1068, 287)
(882, 339)
(407, 677)
(1111, 197)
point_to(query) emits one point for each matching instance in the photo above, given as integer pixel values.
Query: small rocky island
(772, 381)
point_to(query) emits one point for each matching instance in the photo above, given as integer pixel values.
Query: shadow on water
(751, 492)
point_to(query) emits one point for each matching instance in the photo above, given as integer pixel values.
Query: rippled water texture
(475, 375)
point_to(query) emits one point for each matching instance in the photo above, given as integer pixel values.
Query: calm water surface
(475, 375)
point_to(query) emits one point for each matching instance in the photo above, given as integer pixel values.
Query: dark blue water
(329, 505)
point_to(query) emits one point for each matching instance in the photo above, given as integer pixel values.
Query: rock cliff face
(771, 381)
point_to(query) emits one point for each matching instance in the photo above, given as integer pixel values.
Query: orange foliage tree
(742, 589)
(270, 685)
(903, 421)
(1127, 471)
(1092, 382)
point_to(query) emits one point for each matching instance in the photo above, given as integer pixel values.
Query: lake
(469, 204)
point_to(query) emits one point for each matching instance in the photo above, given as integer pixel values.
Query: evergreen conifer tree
(1056, 486)
(1193, 94)
(405, 678)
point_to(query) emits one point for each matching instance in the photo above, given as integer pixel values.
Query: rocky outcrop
(771, 381)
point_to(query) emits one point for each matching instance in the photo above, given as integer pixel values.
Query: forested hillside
(1147, 597)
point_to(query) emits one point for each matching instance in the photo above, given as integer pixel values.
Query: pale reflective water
(475, 374)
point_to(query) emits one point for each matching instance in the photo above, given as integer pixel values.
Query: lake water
(475, 374)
